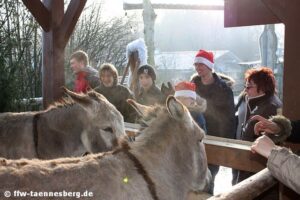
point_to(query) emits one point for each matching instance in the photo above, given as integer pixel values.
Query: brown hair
(81, 56)
(110, 68)
(264, 78)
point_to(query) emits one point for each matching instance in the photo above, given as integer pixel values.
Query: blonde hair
(81, 56)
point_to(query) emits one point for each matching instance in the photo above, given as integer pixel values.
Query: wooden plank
(249, 188)
(227, 152)
(70, 19)
(222, 151)
(39, 12)
(138, 6)
(233, 153)
(247, 13)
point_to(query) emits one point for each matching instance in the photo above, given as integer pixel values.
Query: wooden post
(57, 29)
(291, 80)
(53, 54)
(149, 17)
(134, 66)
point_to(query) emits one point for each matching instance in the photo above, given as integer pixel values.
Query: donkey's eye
(108, 129)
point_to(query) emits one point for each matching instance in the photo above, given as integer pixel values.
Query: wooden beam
(70, 19)
(39, 12)
(226, 152)
(247, 13)
(233, 153)
(291, 80)
(139, 6)
(250, 188)
(277, 7)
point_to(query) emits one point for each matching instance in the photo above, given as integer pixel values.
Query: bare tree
(20, 55)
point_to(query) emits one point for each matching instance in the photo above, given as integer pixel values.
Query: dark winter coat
(86, 79)
(150, 97)
(265, 105)
(295, 135)
(219, 115)
(117, 95)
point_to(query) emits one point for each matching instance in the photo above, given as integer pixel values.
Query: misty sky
(183, 30)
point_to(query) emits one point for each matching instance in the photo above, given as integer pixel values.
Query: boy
(86, 76)
(149, 93)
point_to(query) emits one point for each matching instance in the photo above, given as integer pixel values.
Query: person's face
(145, 81)
(107, 78)
(76, 65)
(251, 89)
(202, 69)
(187, 101)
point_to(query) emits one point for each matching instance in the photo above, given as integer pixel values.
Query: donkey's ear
(142, 110)
(175, 108)
(78, 98)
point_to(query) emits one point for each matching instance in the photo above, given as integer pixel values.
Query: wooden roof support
(40, 13)
(247, 13)
(257, 12)
(70, 18)
(57, 29)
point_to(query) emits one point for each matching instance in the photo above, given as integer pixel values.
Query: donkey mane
(19, 164)
(67, 102)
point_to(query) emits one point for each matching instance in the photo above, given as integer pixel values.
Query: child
(186, 94)
(114, 92)
(149, 93)
(86, 76)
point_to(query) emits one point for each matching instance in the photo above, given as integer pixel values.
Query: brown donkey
(82, 123)
(166, 162)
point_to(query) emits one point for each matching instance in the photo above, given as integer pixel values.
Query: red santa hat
(205, 57)
(185, 89)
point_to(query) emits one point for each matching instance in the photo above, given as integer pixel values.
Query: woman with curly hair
(258, 98)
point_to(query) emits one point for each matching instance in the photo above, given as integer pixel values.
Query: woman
(258, 98)
(115, 93)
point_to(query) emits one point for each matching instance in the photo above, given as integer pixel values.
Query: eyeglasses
(247, 87)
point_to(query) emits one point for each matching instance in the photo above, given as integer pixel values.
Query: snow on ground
(223, 180)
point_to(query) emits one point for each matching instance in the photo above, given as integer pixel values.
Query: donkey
(167, 161)
(81, 123)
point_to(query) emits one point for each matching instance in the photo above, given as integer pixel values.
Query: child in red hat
(185, 92)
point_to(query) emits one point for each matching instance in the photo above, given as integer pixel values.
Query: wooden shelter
(58, 25)
(57, 28)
